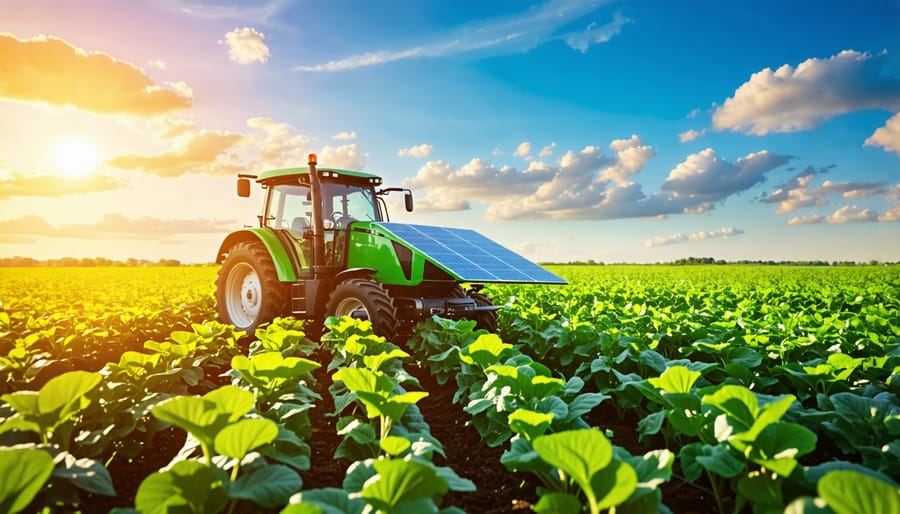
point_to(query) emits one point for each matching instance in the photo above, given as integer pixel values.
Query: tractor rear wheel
(248, 292)
(484, 319)
(364, 298)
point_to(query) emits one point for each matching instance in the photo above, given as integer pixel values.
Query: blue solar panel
(471, 256)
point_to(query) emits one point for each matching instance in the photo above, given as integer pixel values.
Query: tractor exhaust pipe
(318, 236)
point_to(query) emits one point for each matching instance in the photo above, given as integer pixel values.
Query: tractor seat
(299, 226)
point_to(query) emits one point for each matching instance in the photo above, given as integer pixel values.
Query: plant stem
(713, 481)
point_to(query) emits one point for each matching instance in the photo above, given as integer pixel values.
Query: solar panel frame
(470, 255)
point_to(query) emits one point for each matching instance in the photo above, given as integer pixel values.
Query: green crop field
(761, 388)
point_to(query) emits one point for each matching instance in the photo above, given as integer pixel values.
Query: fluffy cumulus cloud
(523, 150)
(630, 157)
(708, 178)
(49, 70)
(888, 136)
(21, 184)
(722, 233)
(791, 99)
(345, 136)
(690, 135)
(415, 151)
(547, 151)
(589, 184)
(280, 145)
(115, 226)
(802, 191)
(203, 151)
(246, 46)
(346, 157)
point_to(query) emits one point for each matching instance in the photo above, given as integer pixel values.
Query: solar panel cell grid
(470, 255)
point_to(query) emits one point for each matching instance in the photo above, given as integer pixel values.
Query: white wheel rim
(349, 306)
(243, 295)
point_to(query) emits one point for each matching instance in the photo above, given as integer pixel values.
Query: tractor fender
(351, 273)
(280, 258)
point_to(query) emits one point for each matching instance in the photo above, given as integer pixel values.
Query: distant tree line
(85, 262)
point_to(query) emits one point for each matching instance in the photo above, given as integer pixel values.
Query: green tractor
(324, 247)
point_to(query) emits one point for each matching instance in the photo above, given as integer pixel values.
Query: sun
(76, 158)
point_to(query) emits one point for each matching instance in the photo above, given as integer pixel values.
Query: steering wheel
(341, 220)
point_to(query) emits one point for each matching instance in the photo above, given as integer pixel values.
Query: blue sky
(630, 131)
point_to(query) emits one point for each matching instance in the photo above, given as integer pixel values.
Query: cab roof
(287, 172)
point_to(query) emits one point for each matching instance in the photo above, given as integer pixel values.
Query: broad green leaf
(677, 379)
(779, 445)
(807, 505)
(485, 351)
(613, 484)
(375, 362)
(269, 486)
(395, 445)
(738, 402)
(199, 416)
(24, 473)
(232, 400)
(761, 490)
(330, 500)
(85, 474)
(401, 481)
(579, 453)
(849, 492)
(557, 503)
(651, 423)
(237, 439)
(65, 394)
(188, 487)
(529, 424)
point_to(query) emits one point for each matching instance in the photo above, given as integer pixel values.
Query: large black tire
(365, 298)
(484, 319)
(248, 292)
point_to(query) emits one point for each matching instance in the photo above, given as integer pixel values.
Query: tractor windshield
(344, 204)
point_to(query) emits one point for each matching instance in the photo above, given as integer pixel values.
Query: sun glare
(76, 157)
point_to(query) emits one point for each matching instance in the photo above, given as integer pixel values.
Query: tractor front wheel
(364, 298)
(248, 292)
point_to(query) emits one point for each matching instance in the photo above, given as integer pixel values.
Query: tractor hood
(464, 255)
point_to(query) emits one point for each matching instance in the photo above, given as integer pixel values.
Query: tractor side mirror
(243, 187)
(408, 200)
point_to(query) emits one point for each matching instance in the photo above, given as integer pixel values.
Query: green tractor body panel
(280, 257)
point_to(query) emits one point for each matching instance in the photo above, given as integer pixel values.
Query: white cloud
(159, 64)
(722, 233)
(246, 45)
(345, 157)
(631, 156)
(496, 152)
(852, 214)
(694, 113)
(523, 150)
(707, 177)
(588, 184)
(497, 36)
(281, 146)
(345, 136)
(690, 135)
(593, 35)
(888, 136)
(798, 192)
(849, 214)
(547, 151)
(415, 151)
(791, 99)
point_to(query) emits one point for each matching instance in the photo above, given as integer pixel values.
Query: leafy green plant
(51, 412)
(24, 473)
